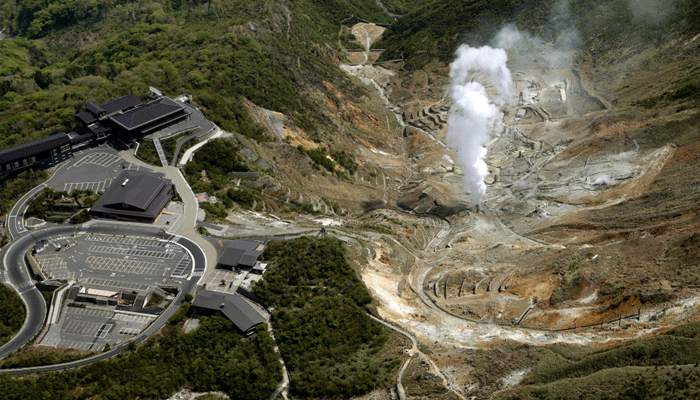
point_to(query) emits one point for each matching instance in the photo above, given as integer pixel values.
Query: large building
(41, 153)
(134, 196)
(128, 117)
(233, 306)
(240, 254)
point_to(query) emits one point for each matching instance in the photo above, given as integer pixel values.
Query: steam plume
(472, 116)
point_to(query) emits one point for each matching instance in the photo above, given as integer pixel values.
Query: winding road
(17, 275)
(13, 259)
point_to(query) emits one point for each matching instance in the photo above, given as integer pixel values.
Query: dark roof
(97, 129)
(82, 138)
(94, 109)
(241, 252)
(233, 306)
(34, 147)
(121, 104)
(147, 113)
(87, 117)
(135, 194)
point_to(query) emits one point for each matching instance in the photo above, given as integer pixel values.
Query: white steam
(557, 52)
(473, 117)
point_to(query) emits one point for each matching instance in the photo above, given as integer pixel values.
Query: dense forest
(437, 27)
(14, 187)
(11, 313)
(330, 345)
(273, 53)
(217, 157)
(213, 357)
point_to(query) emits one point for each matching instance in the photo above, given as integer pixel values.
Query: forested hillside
(437, 27)
(331, 346)
(661, 367)
(276, 54)
(10, 320)
(213, 357)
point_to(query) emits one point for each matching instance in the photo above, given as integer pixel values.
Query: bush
(81, 217)
(12, 313)
(180, 314)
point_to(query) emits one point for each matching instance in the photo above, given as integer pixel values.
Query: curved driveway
(18, 275)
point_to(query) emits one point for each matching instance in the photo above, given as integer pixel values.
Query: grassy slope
(436, 28)
(659, 367)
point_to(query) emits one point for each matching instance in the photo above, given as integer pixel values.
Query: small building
(259, 268)
(41, 152)
(233, 306)
(98, 296)
(134, 196)
(240, 254)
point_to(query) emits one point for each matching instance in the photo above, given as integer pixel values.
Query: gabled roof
(94, 109)
(241, 252)
(34, 147)
(86, 116)
(147, 113)
(121, 104)
(134, 195)
(233, 306)
(133, 190)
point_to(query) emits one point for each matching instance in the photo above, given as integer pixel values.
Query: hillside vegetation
(216, 358)
(11, 313)
(661, 367)
(275, 54)
(435, 28)
(330, 345)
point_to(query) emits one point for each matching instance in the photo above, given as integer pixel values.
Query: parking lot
(93, 169)
(91, 329)
(100, 159)
(94, 186)
(132, 265)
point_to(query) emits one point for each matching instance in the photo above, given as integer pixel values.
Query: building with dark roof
(41, 152)
(129, 117)
(134, 196)
(148, 118)
(233, 306)
(120, 105)
(240, 254)
(95, 119)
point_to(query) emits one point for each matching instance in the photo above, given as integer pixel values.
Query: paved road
(13, 258)
(203, 255)
(18, 277)
(15, 220)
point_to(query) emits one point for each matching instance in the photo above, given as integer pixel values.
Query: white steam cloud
(473, 116)
(556, 52)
